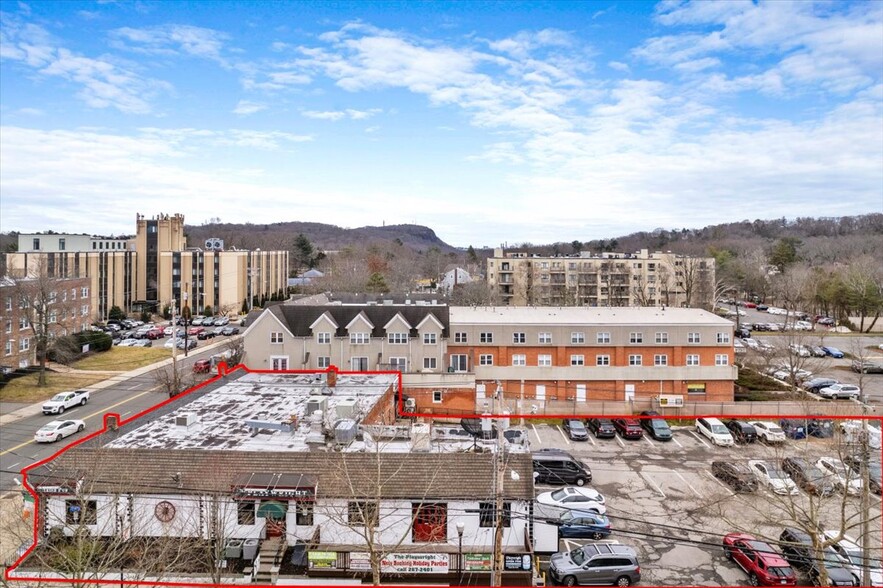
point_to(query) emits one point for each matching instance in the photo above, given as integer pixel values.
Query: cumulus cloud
(245, 107)
(172, 39)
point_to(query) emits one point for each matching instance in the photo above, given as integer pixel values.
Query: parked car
(555, 466)
(220, 321)
(65, 400)
(825, 320)
(197, 320)
(868, 366)
(854, 559)
(768, 432)
(735, 474)
(127, 342)
(837, 391)
(843, 478)
(854, 431)
(628, 428)
(771, 476)
(602, 428)
(815, 384)
(227, 331)
(807, 476)
(743, 333)
(817, 351)
(762, 307)
(202, 366)
(655, 425)
(578, 498)
(875, 472)
(714, 430)
(155, 333)
(195, 331)
(57, 430)
(206, 334)
(820, 427)
(762, 563)
(578, 524)
(798, 550)
(143, 343)
(187, 343)
(832, 352)
(575, 429)
(597, 563)
(793, 428)
(741, 431)
(800, 350)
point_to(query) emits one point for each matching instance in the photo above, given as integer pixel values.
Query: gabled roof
(300, 318)
(326, 316)
(269, 314)
(430, 317)
(361, 316)
(399, 316)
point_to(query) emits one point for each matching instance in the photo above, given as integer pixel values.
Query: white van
(714, 430)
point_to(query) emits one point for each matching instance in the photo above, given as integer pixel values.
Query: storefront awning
(272, 509)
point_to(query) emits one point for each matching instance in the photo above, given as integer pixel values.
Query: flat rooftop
(584, 315)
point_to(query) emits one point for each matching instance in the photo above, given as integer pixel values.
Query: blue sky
(489, 122)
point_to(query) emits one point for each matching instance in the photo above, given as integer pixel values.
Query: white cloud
(245, 107)
(172, 39)
(336, 115)
(618, 66)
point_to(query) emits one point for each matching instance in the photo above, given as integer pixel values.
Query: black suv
(655, 425)
(806, 475)
(602, 428)
(742, 432)
(797, 548)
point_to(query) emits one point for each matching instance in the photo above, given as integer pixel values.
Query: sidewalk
(37, 408)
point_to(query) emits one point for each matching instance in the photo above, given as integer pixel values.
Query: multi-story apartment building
(60, 306)
(608, 279)
(455, 356)
(154, 268)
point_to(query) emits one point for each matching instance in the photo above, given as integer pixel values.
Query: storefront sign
(516, 562)
(54, 490)
(285, 493)
(477, 562)
(404, 563)
(322, 559)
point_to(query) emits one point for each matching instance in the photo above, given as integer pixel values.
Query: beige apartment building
(608, 279)
(154, 268)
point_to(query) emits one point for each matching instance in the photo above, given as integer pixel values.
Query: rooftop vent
(185, 420)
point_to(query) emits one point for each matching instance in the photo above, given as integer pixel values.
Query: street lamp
(460, 527)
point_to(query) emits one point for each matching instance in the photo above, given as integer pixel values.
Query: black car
(737, 475)
(806, 475)
(793, 428)
(655, 425)
(875, 472)
(602, 428)
(820, 427)
(798, 550)
(761, 307)
(628, 428)
(575, 429)
(227, 331)
(742, 432)
(203, 335)
(743, 333)
(816, 384)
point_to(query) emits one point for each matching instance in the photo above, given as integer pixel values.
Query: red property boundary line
(223, 371)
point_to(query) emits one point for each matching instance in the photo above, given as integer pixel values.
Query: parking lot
(663, 500)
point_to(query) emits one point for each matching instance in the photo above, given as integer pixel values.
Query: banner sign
(516, 562)
(322, 559)
(290, 493)
(404, 563)
(477, 562)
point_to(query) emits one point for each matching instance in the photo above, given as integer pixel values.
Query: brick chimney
(331, 377)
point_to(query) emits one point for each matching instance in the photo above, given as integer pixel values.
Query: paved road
(128, 394)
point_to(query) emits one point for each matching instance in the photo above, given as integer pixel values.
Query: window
(636, 360)
(8, 350)
(721, 359)
(359, 364)
(61, 245)
(53, 317)
(693, 338)
(22, 322)
(602, 338)
(430, 523)
(487, 515)
(544, 338)
(8, 303)
(53, 296)
(397, 338)
(662, 337)
(577, 360)
(486, 359)
(578, 338)
(84, 310)
(399, 363)
(8, 327)
(486, 338)
(544, 360)
(436, 396)
(723, 337)
(692, 360)
(602, 360)
(94, 245)
(429, 363)
(323, 338)
(279, 363)
(245, 512)
(24, 344)
(304, 513)
(429, 338)
(36, 245)
(73, 293)
(660, 360)
(519, 359)
(323, 361)
(276, 337)
(460, 338)
(636, 337)
(359, 338)
(459, 362)
(519, 338)
(84, 291)
(363, 513)
(81, 512)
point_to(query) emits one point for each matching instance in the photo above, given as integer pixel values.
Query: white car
(768, 432)
(841, 476)
(836, 391)
(578, 498)
(715, 430)
(852, 556)
(127, 342)
(752, 343)
(57, 430)
(771, 476)
(802, 326)
(853, 430)
(800, 350)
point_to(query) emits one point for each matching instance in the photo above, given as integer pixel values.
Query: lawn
(123, 359)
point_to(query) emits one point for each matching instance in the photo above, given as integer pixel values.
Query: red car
(202, 366)
(749, 305)
(195, 331)
(628, 428)
(155, 334)
(763, 564)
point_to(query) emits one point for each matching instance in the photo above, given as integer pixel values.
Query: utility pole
(866, 501)
(497, 574)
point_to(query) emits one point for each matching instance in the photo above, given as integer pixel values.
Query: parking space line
(647, 439)
(698, 438)
(15, 464)
(721, 484)
(676, 441)
(536, 434)
(563, 436)
(696, 492)
(655, 485)
(592, 440)
(133, 387)
(618, 440)
(571, 544)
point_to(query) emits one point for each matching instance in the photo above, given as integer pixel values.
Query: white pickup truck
(64, 400)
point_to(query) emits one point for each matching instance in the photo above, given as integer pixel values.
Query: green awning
(272, 509)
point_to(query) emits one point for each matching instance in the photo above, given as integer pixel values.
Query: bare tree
(476, 293)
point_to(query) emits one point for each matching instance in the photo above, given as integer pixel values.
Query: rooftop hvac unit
(345, 431)
(411, 405)
(346, 408)
(185, 420)
(420, 437)
(315, 403)
(214, 244)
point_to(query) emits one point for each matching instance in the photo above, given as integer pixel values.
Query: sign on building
(404, 563)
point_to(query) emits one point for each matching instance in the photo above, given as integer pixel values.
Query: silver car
(596, 564)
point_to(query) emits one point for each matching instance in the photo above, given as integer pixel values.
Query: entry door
(629, 392)
(540, 392)
(580, 392)
(479, 391)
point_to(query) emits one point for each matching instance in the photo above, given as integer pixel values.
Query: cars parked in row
(742, 432)
(628, 428)
(832, 352)
(602, 428)
(575, 429)
(714, 430)
(655, 425)
(808, 476)
(868, 366)
(596, 563)
(577, 524)
(737, 475)
(838, 391)
(854, 559)
(815, 384)
(768, 432)
(763, 564)
(797, 547)
(773, 477)
(58, 430)
(856, 463)
(842, 477)
(570, 497)
(556, 466)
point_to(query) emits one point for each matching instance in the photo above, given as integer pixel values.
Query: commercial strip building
(456, 357)
(154, 268)
(266, 463)
(606, 279)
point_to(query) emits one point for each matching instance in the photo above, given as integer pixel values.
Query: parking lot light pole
(460, 527)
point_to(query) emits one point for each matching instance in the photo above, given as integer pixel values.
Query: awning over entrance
(272, 509)
(280, 486)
